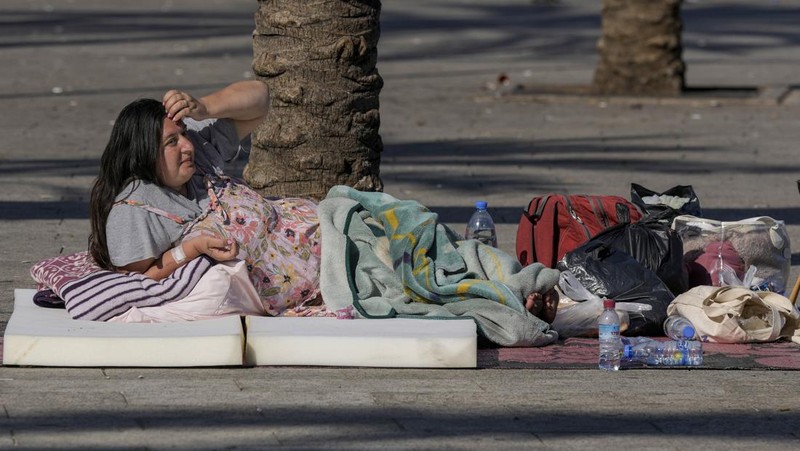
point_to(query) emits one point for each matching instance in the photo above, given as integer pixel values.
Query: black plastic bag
(656, 206)
(613, 274)
(656, 246)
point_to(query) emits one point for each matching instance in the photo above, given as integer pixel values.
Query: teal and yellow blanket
(392, 258)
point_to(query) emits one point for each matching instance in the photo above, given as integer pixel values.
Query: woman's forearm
(245, 102)
(165, 265)
(217, 248)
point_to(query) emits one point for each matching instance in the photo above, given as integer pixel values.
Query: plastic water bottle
(608, 332)
(678, 327)
(663, 353)
(481, 226)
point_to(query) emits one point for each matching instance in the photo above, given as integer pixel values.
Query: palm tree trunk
(319, 60)
(640, 48)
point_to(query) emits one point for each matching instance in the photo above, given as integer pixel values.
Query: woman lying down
(161, 201)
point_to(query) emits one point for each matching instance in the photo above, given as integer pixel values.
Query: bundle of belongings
(656, 255)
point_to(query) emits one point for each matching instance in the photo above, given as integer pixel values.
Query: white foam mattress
(37, 336)
(395, 342)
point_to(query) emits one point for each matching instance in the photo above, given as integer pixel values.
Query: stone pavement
(67, 67)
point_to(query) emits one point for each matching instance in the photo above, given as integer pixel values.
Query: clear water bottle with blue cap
(678, 327)
(662, 353)
(608, 325)
(481, 225)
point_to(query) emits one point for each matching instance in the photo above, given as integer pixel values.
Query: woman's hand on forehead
(179, 104)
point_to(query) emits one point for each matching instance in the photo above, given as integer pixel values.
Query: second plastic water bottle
(481, 226)
(678, 328)
(664, 353)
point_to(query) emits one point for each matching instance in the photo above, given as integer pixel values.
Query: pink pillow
(53, 273)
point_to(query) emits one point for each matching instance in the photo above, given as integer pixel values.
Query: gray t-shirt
(134, 233)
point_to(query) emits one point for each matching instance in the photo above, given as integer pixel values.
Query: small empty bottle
(664, 353)
(678, 327)
(481, 226)
(608, 334)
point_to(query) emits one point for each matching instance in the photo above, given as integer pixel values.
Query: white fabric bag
(738, 315)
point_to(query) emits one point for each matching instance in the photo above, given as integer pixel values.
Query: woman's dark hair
(130, 155)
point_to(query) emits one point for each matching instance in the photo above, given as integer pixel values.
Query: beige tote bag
(737, 314)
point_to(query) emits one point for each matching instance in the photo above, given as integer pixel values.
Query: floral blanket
(278, 240)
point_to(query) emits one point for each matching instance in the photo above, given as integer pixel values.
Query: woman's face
(175, 165)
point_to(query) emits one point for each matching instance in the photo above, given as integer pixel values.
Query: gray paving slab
(67, 67)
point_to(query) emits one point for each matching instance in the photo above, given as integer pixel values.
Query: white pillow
(225, 289)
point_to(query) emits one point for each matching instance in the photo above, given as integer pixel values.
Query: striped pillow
(91, 293)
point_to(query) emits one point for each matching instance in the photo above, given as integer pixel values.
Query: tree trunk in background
(640, 48)
(318, 60)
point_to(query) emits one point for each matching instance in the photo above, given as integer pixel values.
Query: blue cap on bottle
(627, 351)
(688, 332)
(481, 204)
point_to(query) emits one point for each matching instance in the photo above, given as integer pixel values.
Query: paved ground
(67, 67)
